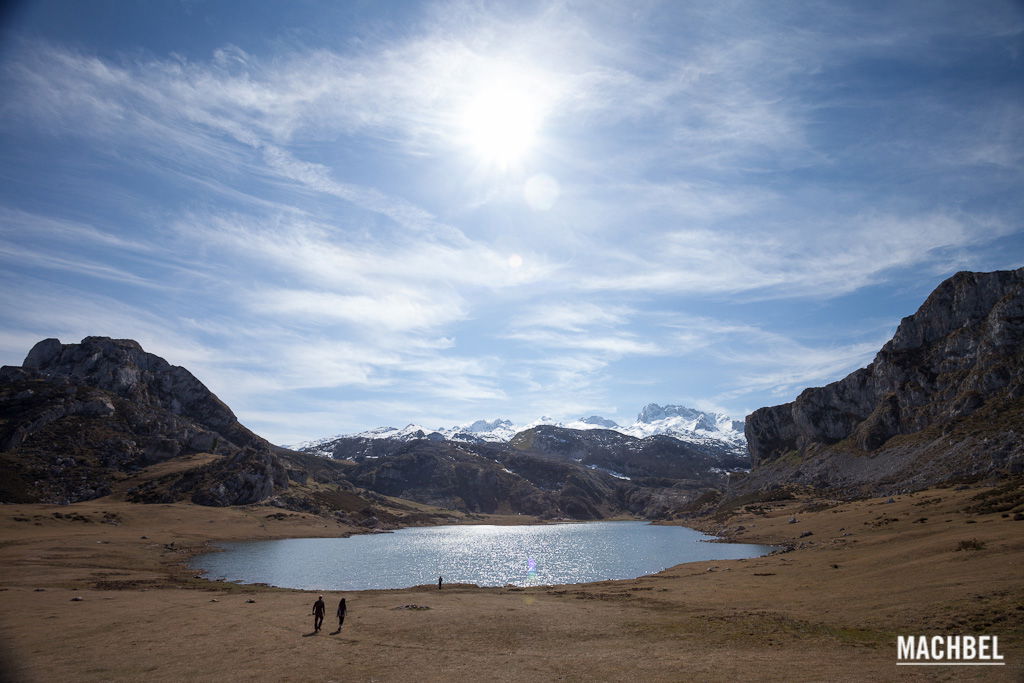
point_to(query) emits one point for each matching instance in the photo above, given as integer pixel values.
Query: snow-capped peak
(481, 426)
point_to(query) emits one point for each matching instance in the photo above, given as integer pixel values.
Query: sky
(345, 215)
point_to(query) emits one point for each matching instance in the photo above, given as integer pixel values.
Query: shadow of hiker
(334, 633)
(311, 633)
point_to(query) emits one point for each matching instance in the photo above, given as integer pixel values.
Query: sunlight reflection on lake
(547, 554)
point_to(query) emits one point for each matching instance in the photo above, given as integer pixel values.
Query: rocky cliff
(121, 367)
(942, 401)
(78, 419)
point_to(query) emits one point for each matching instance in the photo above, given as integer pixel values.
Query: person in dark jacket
(342, 608)
(318, 613)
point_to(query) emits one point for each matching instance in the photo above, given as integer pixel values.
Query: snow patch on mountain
(680, 421)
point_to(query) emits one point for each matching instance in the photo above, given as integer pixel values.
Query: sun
(501, 122)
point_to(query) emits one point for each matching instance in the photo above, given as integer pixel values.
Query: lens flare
(531, 571)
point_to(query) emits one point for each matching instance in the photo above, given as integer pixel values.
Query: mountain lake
(528, 555)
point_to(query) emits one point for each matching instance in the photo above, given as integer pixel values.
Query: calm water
(485, 555)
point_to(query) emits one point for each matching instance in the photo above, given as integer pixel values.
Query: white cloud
(570, 316)
(25, 225)
(835, 257)
(30, 257)
(615, 345)
(392, 311)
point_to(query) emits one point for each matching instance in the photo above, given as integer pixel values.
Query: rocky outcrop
(75, 417)
(121, 367)
(941, 400)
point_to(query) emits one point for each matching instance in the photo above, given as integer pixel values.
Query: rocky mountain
(180, 407)
(73, 414)
(942, 401)
(81, 421)
(545, 470)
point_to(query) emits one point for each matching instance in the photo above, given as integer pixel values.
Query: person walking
(318, 613)
(440, 580)
(342, 608)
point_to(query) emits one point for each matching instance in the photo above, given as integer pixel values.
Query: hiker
(342, 608)
(318, 613)
(439, 580)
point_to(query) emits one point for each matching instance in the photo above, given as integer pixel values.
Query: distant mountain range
(715, 430)
(583, 469)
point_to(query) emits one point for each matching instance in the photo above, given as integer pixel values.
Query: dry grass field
(830, 610)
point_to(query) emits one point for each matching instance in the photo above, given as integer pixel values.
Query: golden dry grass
(828, 611)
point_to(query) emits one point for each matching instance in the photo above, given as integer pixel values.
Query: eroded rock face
(75, 414)
(958, 357)
(123, 368)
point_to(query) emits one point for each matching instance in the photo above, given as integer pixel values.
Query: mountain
(81, 421)
(529, 475)
(485, 478)
(75, 413)
(585, 469)
(628, 457)
(943, 401)
(716, 432)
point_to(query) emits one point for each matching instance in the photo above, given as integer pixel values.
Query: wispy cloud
(31, 258)
(25, 225)
(570, 316)
(761, 361)
(615, 345)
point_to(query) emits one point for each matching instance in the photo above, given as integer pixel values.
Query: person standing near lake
(440, 579)
(342, 608)
(318, 613)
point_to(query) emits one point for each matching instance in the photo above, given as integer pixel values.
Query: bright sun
(500, 123)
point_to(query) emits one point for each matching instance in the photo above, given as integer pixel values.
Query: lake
(546, 554)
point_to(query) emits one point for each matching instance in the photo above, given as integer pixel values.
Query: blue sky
(346, 215)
